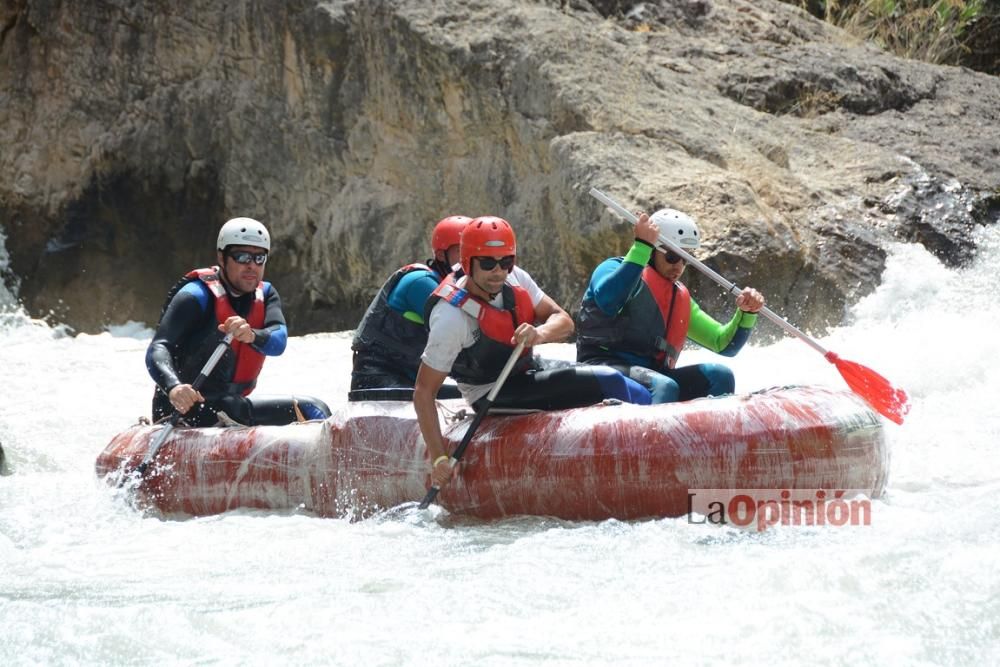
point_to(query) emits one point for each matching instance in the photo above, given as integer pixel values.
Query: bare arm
(424, 396)
(556, 325)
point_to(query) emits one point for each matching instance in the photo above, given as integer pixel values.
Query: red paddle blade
(889, 401)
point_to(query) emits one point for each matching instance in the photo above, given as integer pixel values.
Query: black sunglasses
(245, 257)
(490, 263)
(673, 257)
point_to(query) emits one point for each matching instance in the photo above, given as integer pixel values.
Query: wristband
(443, 457)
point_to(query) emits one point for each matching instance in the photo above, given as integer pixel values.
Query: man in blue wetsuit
(636, 316)
(391, 336)
(202, 307)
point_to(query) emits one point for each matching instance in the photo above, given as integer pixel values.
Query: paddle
(175, 418)
(474, 426)
(879, 392)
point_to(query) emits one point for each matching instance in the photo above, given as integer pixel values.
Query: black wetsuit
(185, 338)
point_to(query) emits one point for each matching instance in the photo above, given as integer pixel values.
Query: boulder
(132, 130)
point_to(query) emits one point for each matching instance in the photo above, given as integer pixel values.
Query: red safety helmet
(448, 232)
(486, 236)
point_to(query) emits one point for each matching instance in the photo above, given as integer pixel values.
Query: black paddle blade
(429, 498)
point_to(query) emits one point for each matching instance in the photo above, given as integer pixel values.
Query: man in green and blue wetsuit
(636, 316)
(231, 298)
(391, 336)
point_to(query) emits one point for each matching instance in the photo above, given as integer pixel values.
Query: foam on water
(86, 579)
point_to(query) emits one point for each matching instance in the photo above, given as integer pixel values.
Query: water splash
(247, 587)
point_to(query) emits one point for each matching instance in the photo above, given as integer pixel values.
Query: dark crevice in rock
(337, 52)
(8, 25)
(122, 243)
(810, 92)
(941, 216)
(635, 13)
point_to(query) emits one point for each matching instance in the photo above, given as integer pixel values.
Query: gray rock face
(132, 130)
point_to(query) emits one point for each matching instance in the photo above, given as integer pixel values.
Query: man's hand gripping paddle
(889, 401)
(474, 426)
(161, 437)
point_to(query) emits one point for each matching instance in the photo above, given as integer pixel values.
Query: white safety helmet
(244, 231)
(678, 227)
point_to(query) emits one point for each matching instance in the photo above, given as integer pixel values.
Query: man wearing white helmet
(204, 306)
(636, 315)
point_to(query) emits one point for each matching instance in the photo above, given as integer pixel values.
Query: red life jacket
(482, 362)
(674, 303)
(248, 360)
(653, 323)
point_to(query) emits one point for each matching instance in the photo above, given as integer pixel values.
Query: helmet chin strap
(440, 266)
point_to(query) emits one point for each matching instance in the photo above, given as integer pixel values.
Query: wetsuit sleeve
(615, 280)
(185, 313)
(272, 339)
(727, 339)
(411, 294)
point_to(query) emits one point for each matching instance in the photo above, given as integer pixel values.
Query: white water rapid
(86, 579)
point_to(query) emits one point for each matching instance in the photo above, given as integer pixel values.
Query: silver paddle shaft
(206, 370)
(667, 244)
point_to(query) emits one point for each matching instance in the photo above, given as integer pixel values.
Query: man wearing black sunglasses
(636, 315)
(392, 334)
(205, 305)
(476, 317)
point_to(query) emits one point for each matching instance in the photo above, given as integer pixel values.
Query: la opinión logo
(760, 509)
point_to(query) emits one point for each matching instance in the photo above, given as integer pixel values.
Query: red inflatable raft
(600, 462)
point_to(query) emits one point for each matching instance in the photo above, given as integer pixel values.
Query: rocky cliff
(130, 130)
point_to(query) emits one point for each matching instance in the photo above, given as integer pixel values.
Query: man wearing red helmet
(391, 335)
(475, 320)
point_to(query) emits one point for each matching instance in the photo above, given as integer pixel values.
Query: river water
(86, 579)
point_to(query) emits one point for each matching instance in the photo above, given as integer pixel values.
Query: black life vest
(385, 335)
(653, 323)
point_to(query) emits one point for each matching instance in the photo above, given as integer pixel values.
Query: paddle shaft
(480, 414)
(175, 418)
(727, 285)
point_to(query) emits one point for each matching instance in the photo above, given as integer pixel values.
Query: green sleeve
(710, 334)
(639, 253)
